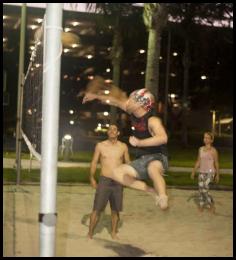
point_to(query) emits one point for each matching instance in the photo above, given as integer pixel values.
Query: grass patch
(81, 175)
(65, 175)
(178, 156)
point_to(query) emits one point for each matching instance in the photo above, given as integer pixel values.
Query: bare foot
(114, 236)
(200, 209)
(162, 201)
(89, 236)
(212, 209)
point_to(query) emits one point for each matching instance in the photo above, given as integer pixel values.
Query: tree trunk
(116, 56)
(152, 68)
(186, 64)
(116, 81)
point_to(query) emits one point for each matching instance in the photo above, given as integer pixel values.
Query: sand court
(144, 230)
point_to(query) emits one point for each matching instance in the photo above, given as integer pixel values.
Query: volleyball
(69, 38)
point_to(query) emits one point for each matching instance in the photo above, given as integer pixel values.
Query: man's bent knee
(154, 168)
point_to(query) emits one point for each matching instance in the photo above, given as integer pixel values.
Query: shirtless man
(111, 153)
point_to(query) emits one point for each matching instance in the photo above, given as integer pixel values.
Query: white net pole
(50, 119)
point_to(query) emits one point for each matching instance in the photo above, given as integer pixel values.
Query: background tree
(155, 19)
(116, 15)
(190, 14)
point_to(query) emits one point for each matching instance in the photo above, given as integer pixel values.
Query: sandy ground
(144, 229)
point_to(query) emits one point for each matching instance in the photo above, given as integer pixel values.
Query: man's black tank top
(140, 126)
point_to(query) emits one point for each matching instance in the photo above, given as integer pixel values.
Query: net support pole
(20, 92)
(50, 121)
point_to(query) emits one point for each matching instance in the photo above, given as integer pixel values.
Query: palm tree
(155, 19)
(114, 14)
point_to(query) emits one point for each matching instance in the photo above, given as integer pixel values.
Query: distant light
(108, 70)
(108, 101)
(203, 77)
(71, 112)
(226, 120)
(72, 122)
(90, 77)
(66, 50)
(106, 92)
(110, 27)
(133, 128)
(172, 74)
(67, 29)
(172, 95)
(78, 78)
(126, 72)
(4, 39)
(142, 72)
(75, 23)
(160, 58)
(4, 17)
(175, 105)
(99, 125)
(39, 20)
(106, 113)
(75, 45)
(67, 137)
(108, 81)
(218, 63)
(109, 48)
(37, 65)
(29, 111)
(65, 76)
(107, 125)
(89, 56)
(175, 54)
(33, 27)
(32, 48)
(141, 51)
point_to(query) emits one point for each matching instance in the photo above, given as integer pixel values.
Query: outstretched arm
(97, 88)
(105, 99)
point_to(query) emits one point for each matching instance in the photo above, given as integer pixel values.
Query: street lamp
(213, 121)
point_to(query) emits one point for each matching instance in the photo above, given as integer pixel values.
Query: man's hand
(134, 141)
(89, 97)
(93, 182)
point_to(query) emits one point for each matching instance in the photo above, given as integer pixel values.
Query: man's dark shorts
(141, 164)
(108, 190)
